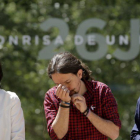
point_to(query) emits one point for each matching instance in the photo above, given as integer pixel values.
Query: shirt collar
(90, 92)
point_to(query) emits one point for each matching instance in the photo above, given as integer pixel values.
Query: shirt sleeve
(135, 133)
(109, 105)
(17, 120)
(50, 114)
(137, 114)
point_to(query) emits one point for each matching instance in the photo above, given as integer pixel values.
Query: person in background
(135, 133)
(78, 107)
(12, 125)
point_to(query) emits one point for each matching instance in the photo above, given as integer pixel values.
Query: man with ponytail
(12, 125)
(78, 107)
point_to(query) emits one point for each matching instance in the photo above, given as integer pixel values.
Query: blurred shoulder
(138, 101)
(99, 84)
(12, 95)
(8, 94)
(51, 91)
(9, 99)
(51, 94)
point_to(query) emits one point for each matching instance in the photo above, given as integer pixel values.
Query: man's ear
(79, 73)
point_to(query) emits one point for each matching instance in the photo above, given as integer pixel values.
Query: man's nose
(66, 86)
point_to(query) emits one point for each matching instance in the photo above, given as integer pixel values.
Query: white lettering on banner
(123, 40)
(110, 42)
(58, 40)
(46, 40)
(91, 40)
(36, 40)
(2, 40)
(81, 39)
(78, 40)
(26, 40)
(13, 40)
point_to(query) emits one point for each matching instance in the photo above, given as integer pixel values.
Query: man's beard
(72, 92)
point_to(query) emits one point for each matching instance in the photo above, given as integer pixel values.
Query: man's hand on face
(79, 102)
(63, 93)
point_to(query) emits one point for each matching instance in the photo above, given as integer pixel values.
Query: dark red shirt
(99, 99)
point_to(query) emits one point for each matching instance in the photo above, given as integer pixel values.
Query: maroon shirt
(99, 99)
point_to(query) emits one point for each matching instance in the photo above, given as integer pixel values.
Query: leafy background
(26, 75)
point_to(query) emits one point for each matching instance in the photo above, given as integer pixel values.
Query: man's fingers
(63, 93)
(67, 94)
(77, 102)
(77, 97)
(58, 89)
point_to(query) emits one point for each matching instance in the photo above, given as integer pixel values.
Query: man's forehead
(61, 78)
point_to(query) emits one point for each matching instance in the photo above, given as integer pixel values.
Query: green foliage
(27, 76)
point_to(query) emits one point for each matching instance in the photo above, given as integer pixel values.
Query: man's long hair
(67, 63)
